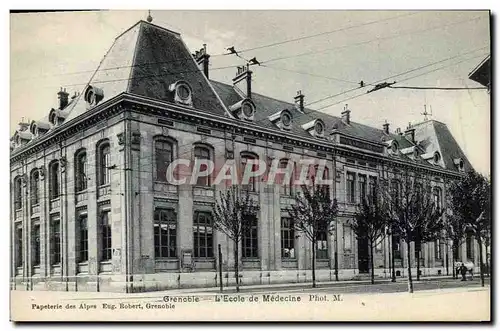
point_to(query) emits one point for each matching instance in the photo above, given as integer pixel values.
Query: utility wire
(397, 75)
(310, 74)
(328, 32)
(397, 35)
(437, 88)
(425, 73)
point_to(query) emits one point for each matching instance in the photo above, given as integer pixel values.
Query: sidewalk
(277, 286)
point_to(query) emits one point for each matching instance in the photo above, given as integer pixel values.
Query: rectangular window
(396, 246)
(18, 196)
(54, 181)
(373, 188)
(250, 242)
(35, 244)
(322, 246)
(83, 238)
(19, 247)
(285, 185)
(347, 237)
(252, 181)
(203, 235)
(163, 155)
(362, 187)
(287, 238)
(165, 221)
(106, 248)
(351, 189)
(437, 250)
(105, 165)
(55, 241)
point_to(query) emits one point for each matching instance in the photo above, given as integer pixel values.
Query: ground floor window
(250, 241)
(106, 248)
(83, 236)
(203, 235)
(19, 247)
(55, 241)
(322, 246)
(35, 244)
(438, 253)
(469, 243)
(165, 233)
(287, 238)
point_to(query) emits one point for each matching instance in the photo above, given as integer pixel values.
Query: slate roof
(146, 59)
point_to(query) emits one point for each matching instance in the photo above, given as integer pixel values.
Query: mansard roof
(147, 60)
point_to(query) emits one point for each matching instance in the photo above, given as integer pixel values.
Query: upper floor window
(34, 187)
(18, 195)
(351, 188)
(286, 181)
(437, 197)
(54, 180)
(202, 153)
(249, 163)
(373, 188)
(104, 165)
(81, 171)
(163, 158)
(362, 187)
(395, 191)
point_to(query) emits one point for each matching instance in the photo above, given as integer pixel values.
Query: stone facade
(98, 233)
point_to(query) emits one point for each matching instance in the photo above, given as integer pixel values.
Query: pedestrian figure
(463, 272)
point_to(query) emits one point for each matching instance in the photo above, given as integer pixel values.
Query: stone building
(92, 210)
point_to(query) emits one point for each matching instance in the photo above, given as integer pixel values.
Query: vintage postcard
(250, 166)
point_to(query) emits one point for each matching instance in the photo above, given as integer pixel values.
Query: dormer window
(315, 128)
(182, 92)
(244, 109)
(93, 95)
(459, 164)
(282, 119)
(436, 158)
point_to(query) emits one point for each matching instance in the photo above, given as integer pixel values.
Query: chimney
(63, 98)
(346, 115)
(299, 101)
(410, 133)
(243, 81)
(398, 131)
(201, 58)
(24, 125)
(386, 127)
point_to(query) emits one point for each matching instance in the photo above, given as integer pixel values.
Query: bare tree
(455, 230)
(314, 214)
(234, 214)
(370, 222)
(471, 202)
(412, 210)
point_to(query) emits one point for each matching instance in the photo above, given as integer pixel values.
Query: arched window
(81, 171)
(104, 163)
(286, 187)
(252, 184)
(163, 158)
(34, 187)
(54, 180)
(18, 195)
(202, 153)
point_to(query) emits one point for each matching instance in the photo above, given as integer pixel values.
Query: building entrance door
(363, 256)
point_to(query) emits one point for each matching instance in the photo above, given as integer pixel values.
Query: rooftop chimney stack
(202, 58)
(299, 101)
(243, 80)
(386, 127)
(346, 115)
(410, 133)
(24, 125)
(63, 98)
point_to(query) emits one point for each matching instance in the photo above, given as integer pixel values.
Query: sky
(53, 50)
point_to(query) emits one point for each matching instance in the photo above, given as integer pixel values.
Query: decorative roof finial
(150, 18)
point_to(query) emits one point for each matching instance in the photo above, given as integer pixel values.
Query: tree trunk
(237, 265)
(408, 262)
(314, 263)
(481, 271)
(417, 258)
(371, 263)
(454, 258)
